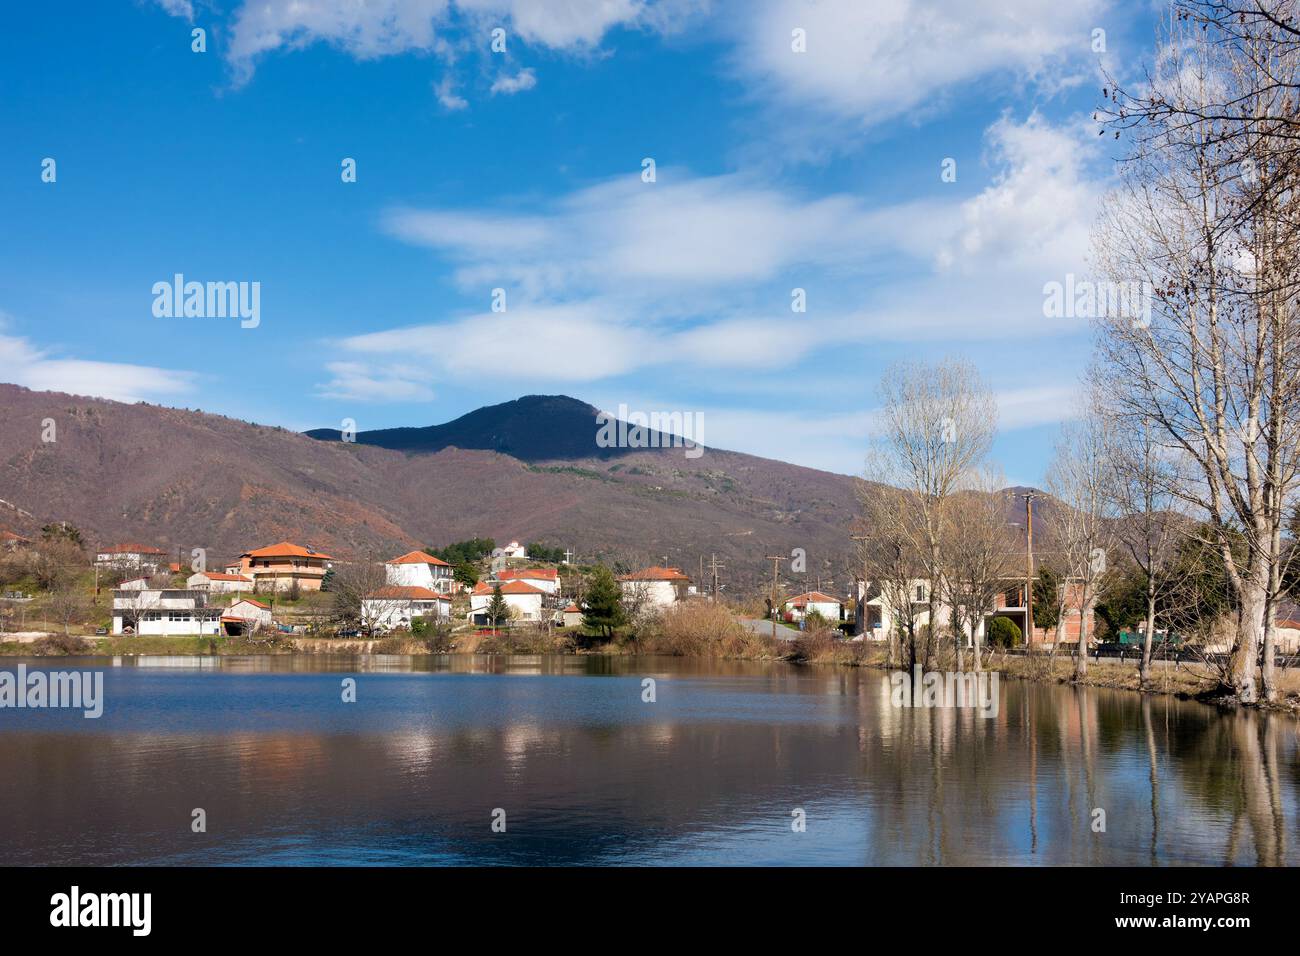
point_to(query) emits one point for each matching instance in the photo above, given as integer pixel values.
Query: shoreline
(1180, 682)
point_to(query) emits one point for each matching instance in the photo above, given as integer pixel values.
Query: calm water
(589, 774)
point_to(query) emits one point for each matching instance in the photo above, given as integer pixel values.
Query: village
(287, 589)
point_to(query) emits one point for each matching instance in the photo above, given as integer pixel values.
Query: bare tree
(890, 567)
(360, 594)
(1205, 215)
(1079, 478)
(1151, 514)
(935, 426)
(978, 557)
(67, 603)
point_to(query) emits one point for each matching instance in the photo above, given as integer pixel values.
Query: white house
(132, 557)
(513, 550)
(524, 601)
(246, 616)
(219, 582)
(572, 616)
(171, 611)
(419, 570)
(812, 602)
(654, 588)
(878, 614)
(546, 579)
(395, 605)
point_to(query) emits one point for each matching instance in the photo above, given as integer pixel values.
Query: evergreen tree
(604, 600)
(497, 609)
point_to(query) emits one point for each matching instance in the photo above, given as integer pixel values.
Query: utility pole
(1029, 497)
(776, 559)
(713, 563)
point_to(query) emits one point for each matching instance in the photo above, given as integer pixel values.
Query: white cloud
(560, 343)
(525, 79)
(686, 237)
(835, 440)
(178, 8)
(447, 95)
(379, 28)
(376, 382)
(559, 24)
(364, 30)
(716, 231)
(885, 59)
(1039, 209)
(21, 363)
(696, 273)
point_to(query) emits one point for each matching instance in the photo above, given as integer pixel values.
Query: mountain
(528, 469)
(534, 428)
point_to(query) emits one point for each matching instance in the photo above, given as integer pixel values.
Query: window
(920, 593)
(178, 617)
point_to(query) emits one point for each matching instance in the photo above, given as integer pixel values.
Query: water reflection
(589, 774)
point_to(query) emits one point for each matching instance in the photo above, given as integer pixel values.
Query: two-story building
(419, 570)
(545, 579)
(524, 602)
(279, 567)
(396, 605)
(132, 556)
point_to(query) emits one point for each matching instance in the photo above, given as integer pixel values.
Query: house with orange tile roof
(548, 579)
(524, 601)
(421, 570)
(395, 605)
(278, 567)
(812, 602)
(246, 616)
(219, 582)
(654, 588)
(131, 556)
(572, 615)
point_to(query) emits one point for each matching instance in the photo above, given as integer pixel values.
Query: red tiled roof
(130, 547)
(419, 557)
(248, 600)
(520, 587)
(814, 597)
(10, 536)
(285, 549)
(222, 576)
(656, 573)
(537, 574)
(408, 593)
(573, 609)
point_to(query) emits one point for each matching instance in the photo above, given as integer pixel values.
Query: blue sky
(521, 170)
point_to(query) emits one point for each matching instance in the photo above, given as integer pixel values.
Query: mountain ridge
(181, 479)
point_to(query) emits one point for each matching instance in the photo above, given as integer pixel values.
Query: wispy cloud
(525, 79)
(22, 363)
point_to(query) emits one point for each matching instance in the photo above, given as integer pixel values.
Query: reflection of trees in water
(1179, 781)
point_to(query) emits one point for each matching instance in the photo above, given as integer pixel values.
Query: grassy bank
(702, 631)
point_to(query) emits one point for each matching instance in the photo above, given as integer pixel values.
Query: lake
(719, 769)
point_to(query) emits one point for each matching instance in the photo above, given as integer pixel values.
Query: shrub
(697, 629)
(1003, 632)
(54, 645)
